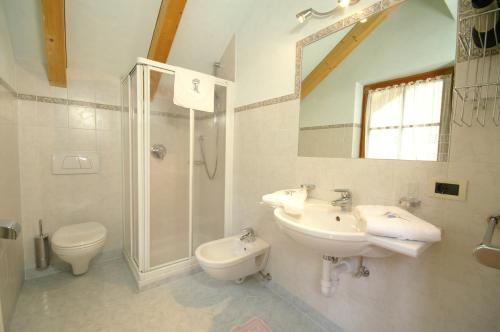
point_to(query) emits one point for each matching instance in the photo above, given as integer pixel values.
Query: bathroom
(130, 203)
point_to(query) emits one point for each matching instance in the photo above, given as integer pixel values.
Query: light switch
(448, 189)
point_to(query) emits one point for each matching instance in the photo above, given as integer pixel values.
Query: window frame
(396, 81)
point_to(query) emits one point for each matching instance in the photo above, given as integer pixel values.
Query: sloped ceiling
(205, 30)
(108, 35)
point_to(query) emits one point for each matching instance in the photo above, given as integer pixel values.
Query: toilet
(77, 244)
(232, 259)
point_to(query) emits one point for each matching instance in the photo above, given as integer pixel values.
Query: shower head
(310, 12)
(216, 66)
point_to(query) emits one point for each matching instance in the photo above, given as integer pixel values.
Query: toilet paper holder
(487, 253)
(9, 229)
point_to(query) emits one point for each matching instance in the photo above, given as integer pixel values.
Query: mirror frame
(376, 8)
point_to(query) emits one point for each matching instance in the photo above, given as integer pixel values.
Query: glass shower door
(169, 144)
(209, 173)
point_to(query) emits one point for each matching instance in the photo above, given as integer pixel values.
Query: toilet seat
(75, 249)
(79, 236)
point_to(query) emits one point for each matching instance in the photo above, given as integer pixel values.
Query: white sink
(333, 232)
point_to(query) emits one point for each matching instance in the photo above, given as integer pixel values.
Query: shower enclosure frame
(141, 268)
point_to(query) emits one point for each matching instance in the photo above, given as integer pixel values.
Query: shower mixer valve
(158, 151)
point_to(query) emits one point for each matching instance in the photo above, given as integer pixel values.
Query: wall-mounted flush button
(448, 189)
(75, 162)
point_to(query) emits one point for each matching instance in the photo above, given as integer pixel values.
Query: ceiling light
(304, 15)
(344, 3)
(308, 13)
(347, 3)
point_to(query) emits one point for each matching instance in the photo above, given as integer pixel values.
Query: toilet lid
(79, 235)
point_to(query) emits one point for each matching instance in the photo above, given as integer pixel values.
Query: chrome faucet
(345, 200)
(247, 235)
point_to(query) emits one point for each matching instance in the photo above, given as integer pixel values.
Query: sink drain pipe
(332, 268)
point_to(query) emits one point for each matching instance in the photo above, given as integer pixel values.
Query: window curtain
(409, 121)
(445, 128)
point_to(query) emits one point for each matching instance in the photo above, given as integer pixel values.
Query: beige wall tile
(82, 117)
(11, 251)
(445, 289)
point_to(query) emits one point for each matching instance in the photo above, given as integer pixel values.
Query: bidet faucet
(247, 235)
(345, 200)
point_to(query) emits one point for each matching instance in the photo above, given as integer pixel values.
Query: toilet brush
(42, 249)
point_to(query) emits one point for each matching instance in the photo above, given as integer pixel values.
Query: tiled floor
(105, 299)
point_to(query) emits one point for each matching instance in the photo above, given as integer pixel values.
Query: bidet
(233, 259)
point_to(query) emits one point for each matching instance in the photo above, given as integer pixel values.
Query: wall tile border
(339, 25)
(333, 126)
(52, 100)
(64, 101)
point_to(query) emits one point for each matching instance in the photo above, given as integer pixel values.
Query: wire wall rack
(477, 96)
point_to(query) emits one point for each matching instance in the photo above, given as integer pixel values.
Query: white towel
(392, 221)
(291, 200)
(194, 90)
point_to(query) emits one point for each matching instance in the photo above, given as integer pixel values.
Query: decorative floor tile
(106, 299)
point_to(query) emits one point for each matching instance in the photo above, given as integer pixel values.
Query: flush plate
(75, 162)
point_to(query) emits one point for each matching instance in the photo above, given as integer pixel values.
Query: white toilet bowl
(232, 259)
(78, 244)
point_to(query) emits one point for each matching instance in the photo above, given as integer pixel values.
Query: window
(407, 120)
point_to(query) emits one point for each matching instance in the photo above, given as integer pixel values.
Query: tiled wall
(338, 141)
(443, 290)
(11, 251)
(47, 127)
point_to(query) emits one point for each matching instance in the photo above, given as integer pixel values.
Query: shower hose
(211, 175)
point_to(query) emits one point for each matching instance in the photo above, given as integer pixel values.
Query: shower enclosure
(177, 172)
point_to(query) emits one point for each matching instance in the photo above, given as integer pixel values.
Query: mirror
(381, 88)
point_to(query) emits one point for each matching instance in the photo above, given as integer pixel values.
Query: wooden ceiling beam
(342, 50)
(166, 26)
(55, 41)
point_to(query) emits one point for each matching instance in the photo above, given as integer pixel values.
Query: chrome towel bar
(487, 253)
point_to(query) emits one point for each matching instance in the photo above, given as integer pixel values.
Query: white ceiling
(108, 35)
(205, 30)
(25, 30)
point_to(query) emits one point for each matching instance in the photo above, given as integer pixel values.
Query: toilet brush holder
(42, 249)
